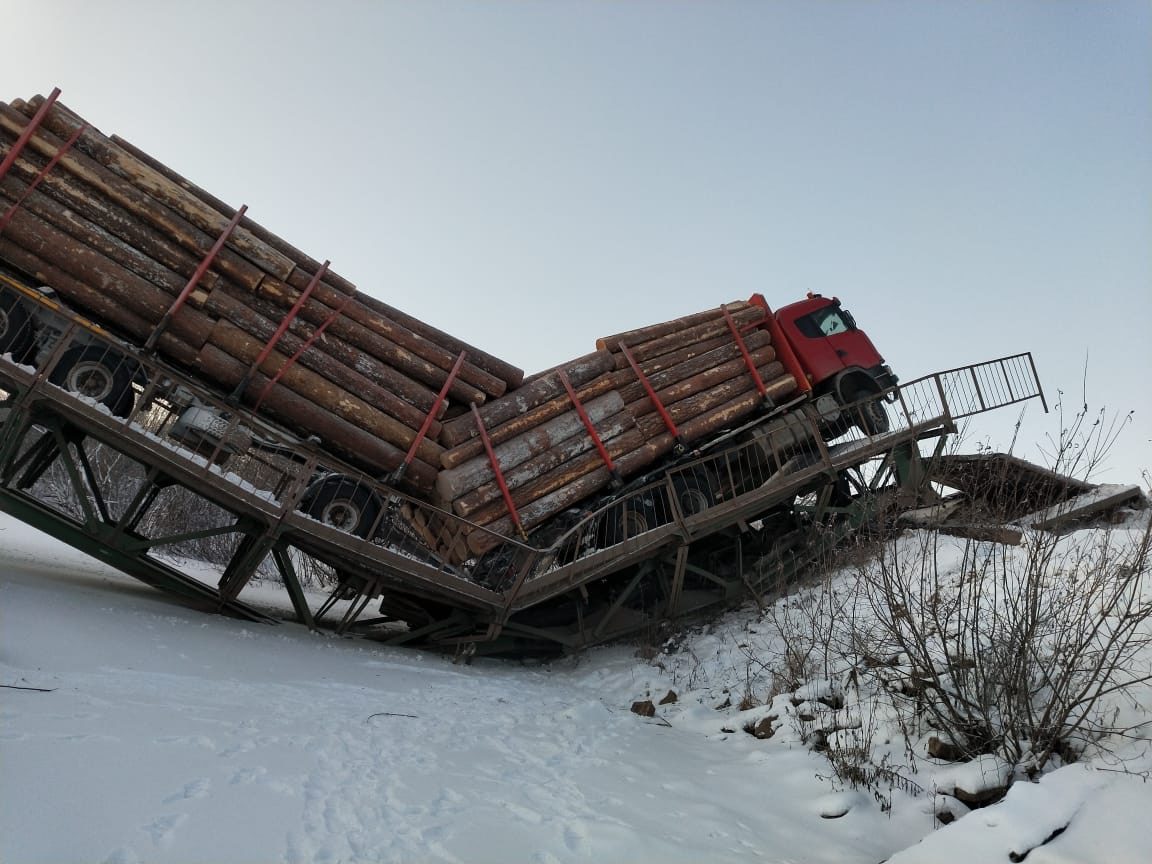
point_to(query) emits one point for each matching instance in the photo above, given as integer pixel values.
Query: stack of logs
(549, 461)
(120, 236)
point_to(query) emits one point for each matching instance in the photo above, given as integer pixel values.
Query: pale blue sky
(972, 179)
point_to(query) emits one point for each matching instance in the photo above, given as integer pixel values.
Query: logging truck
(835, 366)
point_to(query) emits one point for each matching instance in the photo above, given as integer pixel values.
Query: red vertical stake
(495, 463)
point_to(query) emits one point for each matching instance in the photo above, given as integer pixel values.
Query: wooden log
(640, 335)
(631, 389)
(700, 332)
(675, 358)
(125, 290)
(562, 475)
(452, 483)
(323, 363)
(131, 326)
(304, 264)
(408, 352)
(503, 370)
(544, 508)
(125, 195)
(731, 376)
(92, 236)
(357, 445)
(702, 402)
(60, 191)
(695, 383)
(535, 468)
(530, 395)
(246, 310)
(736, 409)
(63, 122)
(472, 448)
(238, 344)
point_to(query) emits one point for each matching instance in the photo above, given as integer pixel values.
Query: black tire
(15, 328)
(871, 416)
(99, 374)
(343, 503)
(694, 492)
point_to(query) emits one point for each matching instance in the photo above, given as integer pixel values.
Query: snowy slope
(173, 736)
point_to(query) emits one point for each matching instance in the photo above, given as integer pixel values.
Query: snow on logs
(118, 234)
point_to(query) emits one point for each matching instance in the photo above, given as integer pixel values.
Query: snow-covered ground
(167, 735)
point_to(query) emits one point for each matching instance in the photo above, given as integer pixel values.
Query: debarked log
(700, 381)
(452, 483)
(473, 447)
(535, 468)
(544, 508)
(531, 395)
(654, 331)
(693, 406)
(708, 330)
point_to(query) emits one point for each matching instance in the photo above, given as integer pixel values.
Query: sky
(971, 179)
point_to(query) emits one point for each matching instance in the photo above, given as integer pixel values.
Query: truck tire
(99, 374)
(15, 328)
(871, 416)
(694, 491)
(343, 503)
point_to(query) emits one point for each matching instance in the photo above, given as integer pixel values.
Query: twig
(36, 689)
(390, 714)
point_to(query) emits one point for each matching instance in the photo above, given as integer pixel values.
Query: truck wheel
(871, 416)
(345, 504)
(97, 374)
(15, 328)
(693, 492)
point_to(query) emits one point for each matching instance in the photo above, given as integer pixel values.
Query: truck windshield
(825, 322)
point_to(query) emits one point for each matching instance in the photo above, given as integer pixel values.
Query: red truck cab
(829, 353)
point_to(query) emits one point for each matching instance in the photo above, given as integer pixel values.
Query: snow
(169, 735)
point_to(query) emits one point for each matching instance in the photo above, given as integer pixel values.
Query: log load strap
(513, 514)
(592, 433)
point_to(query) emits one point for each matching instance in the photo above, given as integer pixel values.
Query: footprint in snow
(162, 830)
(122, 855)
(247, 775)
(196, 789)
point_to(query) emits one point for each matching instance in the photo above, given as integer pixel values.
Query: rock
(761, 729)
(938, 748)
(644, 709)
(669, 698)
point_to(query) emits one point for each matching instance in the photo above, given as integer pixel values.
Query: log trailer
(676, 468)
